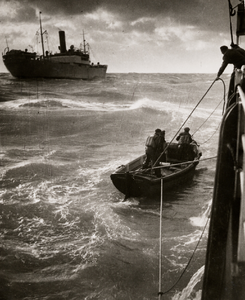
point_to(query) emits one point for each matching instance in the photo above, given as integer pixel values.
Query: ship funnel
(62, 41)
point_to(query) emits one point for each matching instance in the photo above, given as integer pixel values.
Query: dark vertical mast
(240, 20)
(84, 43)
(231, 14)
(41, 31)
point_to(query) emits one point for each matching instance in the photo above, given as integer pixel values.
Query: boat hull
(137, 184)
(45, 68)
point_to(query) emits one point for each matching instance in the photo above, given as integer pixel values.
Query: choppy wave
(192, 291)
(202, 219)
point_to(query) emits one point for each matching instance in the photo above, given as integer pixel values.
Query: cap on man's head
(187, 129)
(223, 48)
(158, 130)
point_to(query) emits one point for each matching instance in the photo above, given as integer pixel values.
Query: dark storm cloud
(205, 14)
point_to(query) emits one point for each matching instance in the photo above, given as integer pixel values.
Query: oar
(170, 165)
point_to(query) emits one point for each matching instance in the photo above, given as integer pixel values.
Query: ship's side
(224, 276)
(22, 67)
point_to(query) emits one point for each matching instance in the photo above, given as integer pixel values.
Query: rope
(194, 109)
(212, 135)
(181, 275)
(185, 122)
(224, 97)
(207, 118)
(160, 245)
(164, 150)
(223, 100)
(160, 293)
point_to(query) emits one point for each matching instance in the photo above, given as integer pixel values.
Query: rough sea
(65, 231)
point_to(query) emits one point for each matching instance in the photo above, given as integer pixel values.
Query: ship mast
(84, 45)
(41, 31)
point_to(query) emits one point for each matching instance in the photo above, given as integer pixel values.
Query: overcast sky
(158, 36)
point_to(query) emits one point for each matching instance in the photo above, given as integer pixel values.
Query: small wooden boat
(175, 169)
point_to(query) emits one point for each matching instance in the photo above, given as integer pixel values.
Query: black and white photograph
(122, 137)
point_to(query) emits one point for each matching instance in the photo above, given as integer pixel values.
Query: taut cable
(160, 293)
(164, 150)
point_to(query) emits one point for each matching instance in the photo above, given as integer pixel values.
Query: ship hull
(45, 68)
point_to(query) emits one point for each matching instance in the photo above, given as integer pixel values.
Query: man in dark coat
(159, 156)
(160, 146)
(152, 143)
(184, 139)
(231, 56)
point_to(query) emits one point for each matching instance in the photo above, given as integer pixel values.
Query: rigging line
(164, 150)
(160, 245)
(211, 135)
(224, 95)
(207, 118)
(195, 107)
(181, 275)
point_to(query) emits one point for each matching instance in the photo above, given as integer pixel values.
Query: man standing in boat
(151, 148)
(184, 139)
(161, 145)
(231, 56)
(159, 155)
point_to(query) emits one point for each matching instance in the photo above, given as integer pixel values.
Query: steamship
(70, 64)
